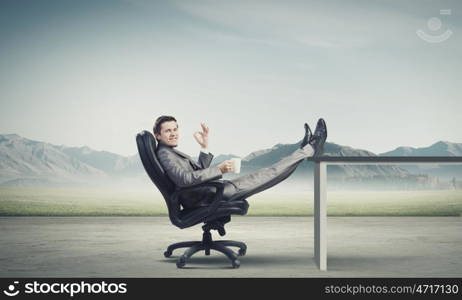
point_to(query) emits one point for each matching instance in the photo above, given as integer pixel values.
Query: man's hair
(159, 121)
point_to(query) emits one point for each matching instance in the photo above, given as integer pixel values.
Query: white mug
(237, 165)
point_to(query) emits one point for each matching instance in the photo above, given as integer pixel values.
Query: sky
(95, 73)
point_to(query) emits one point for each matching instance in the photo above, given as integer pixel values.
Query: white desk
(320, 189)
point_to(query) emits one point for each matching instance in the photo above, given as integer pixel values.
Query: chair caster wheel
(242, 251)
(167, 253)
(181, 262)
(236, 264)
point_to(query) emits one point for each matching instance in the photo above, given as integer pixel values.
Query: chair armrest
(212, 207)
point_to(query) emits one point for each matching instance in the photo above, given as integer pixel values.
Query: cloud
(331, 25)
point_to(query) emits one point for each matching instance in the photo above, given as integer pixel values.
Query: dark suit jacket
(185, 172)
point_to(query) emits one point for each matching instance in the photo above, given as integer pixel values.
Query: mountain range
(24, 162)
(444, 172)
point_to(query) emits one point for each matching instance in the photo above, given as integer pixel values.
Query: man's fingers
(204, 127)
(229, 165)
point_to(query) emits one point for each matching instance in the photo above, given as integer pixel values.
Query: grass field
(93, 202)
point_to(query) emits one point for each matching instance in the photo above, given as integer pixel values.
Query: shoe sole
(320, 149)
(308, 133)
(317, 126)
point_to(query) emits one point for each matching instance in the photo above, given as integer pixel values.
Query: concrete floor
(277, 247)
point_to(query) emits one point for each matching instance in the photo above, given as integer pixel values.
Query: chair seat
(237, 207)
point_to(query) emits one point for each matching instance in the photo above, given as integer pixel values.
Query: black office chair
(214, 216)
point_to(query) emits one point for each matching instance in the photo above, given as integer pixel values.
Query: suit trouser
(250, 184)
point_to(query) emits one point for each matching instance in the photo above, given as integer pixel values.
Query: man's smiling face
(168, 134)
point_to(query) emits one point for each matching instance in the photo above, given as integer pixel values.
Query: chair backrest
(147, 146)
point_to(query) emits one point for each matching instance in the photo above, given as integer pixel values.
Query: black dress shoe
(319, 137)
(307, 137)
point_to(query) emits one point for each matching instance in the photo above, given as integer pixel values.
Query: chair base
(207, 244)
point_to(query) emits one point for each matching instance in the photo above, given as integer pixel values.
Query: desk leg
(320, 215)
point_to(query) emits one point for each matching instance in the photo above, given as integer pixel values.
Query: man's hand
(202, 137)
(226, 166)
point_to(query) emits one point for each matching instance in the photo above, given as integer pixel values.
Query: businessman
(183, 171)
